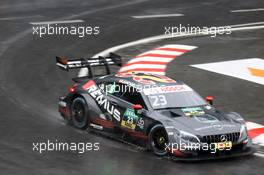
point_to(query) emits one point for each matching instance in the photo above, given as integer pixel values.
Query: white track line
(18, 17)
(158, 16)
(56, 22)
(160, 37)
(259, 154)
(247, 10)
(247, 24)
(247, 28)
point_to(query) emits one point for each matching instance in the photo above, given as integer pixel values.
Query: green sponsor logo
(193, 111)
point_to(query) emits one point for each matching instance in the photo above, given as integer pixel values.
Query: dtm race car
(152, 111)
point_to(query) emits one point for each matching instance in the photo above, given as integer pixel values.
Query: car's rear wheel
(158, 139)
(79, 113)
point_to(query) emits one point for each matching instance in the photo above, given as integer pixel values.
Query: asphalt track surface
(30, 83)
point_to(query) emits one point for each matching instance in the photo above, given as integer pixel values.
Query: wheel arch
(152, 125)
(76, 95)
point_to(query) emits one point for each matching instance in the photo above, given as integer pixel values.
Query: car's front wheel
(79, 113)
(158, 139)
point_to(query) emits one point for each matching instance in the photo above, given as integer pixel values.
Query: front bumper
(203, 157)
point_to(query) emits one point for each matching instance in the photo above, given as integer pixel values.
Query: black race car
(153, 111)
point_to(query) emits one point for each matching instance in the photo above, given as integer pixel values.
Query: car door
(109, 116)
(114, 94)
(131, 120)
(124, 100)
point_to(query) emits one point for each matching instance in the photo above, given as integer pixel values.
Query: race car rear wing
(112, 59)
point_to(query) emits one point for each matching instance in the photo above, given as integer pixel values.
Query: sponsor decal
(140, 123)
(146, 79)
(158, 100)
(129, 83)
(247, 69)
(130, 119)
(149, 79)
(101, 100)
(193, 111)
(124, 75)
(166, 89)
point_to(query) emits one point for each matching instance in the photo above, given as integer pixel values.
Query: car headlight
(188, 137)
(243, 133)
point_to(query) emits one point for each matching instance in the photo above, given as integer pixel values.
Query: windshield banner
(167, 89)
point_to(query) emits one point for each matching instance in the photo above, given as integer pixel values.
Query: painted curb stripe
(156, 55)
(172, 49)
(163, 53)
(156, 60)
(251, 125)
(146, 62)
(255, 132)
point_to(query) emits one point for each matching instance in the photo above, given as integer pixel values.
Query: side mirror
(210, 99)
(137, 108)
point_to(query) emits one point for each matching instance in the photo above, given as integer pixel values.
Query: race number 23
(158, 100)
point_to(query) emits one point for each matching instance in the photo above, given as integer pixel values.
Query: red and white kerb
(256, 132)
(156, 60)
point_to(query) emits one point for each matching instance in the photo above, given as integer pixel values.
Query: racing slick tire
(79, 113)
(158, 139)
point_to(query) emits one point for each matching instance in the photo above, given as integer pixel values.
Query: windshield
(176, 96)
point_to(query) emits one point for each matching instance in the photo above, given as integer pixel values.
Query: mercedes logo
(223, 138)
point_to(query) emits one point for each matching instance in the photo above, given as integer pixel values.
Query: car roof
(141, 79)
